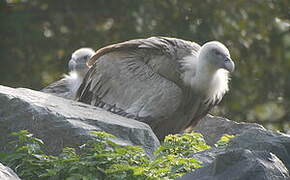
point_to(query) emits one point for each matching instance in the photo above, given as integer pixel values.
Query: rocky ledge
(254, 153)
(65, 123)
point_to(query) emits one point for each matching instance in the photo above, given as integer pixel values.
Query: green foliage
(224, 140)
(182, 145)
(101, 158)
(28, 159)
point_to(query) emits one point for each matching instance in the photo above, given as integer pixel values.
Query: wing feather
(164, 55)
(124, 81)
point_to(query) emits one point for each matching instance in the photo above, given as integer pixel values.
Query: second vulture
(167, 83)
(69, 84)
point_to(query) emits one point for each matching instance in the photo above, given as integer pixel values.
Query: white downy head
(78, 67)
(208, 70)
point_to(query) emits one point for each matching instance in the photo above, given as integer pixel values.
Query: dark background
(38, 36)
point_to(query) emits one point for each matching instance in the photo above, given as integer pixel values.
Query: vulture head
(68, 85)
(78, 61)
(78, 67)
(207, 70)
(216, 56)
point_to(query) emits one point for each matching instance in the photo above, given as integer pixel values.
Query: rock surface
(61, 123)
(213, 128)
(241, 164)
(7, 174)
(257, 139)
(255, 153)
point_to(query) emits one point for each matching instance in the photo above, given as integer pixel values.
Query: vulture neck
(210, 81)
(204, 76)
(74, 79)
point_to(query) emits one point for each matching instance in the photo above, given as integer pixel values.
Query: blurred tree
(37, 38)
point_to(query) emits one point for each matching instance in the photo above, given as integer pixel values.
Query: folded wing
(139, 77)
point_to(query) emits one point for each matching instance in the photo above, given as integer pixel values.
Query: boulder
(254, 153)
(258, 139)
(241, 164)
(7, 174)
(248, 136)
(213, 128)
(64, 123)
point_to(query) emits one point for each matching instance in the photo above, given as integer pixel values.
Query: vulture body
(167, 83)
(69, 84)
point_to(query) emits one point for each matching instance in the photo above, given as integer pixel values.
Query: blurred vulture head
(78, 61)
(68, 85)
(168, 83)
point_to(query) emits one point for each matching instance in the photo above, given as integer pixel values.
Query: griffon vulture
(69, 84)
(167, 83)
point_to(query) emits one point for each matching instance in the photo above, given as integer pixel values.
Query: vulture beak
(71, 65)
(229, 64)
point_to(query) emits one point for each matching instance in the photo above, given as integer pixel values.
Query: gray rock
(259, 139)
(241, 164)
(213, 128)
(64, 123)
(254, 153)
(208, 156)
(60, 88)
(7, 174)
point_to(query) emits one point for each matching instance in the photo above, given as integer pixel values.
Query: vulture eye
(227, 60)
(217, 52)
